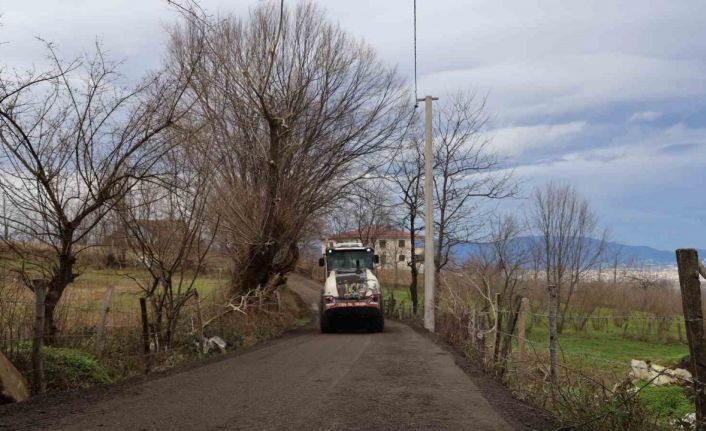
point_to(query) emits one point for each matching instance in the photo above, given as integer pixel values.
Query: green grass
(608, 346)
(401, 293)
(607, 353)
(667, 401)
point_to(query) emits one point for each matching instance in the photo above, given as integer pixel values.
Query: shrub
(64, 368)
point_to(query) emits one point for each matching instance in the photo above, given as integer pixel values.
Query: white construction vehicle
(351, 290)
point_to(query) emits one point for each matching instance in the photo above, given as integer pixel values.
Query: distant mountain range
(638, 255)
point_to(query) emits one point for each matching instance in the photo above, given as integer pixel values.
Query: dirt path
(397, 380)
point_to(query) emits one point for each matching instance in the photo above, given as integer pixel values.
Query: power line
(416, 96)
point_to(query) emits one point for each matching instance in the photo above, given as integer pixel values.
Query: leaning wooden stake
(100, 335)
(145, 333)
(688, 264)
(199, 323)
(39, 384)
(553, 307)
(498, 328)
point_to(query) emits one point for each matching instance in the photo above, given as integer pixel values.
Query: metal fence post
(199, 323)
(100, 335)
(522, 329)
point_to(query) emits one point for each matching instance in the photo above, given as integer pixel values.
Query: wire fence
(102, 337)
(602, 361)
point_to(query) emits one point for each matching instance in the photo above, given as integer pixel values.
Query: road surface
(395, 380)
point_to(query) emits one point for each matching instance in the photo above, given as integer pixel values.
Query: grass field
(610, 347)
(610, 343)
(90, 286)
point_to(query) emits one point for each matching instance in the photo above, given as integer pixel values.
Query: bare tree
(372, 212)
(570, 241)
(366, 210)
(407, 180)
(504, 258)
(466, 171)
(295, 110)
(73, 141)
(165, 225)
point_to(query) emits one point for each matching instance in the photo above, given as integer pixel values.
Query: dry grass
(79, 314)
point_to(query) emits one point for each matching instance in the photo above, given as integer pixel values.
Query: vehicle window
(349, 259)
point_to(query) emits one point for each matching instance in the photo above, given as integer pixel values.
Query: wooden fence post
(39, 384)
(145, 333)
(482, 317)
(522, 329)
(507, 339)
(199, 323)
(472, 328)
(553, 307)
(498, 328)
(100, 335)
(688, 265)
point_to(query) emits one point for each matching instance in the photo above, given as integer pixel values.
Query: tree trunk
(263, 266)
(60, 279)
(413, 289)
(261, 257)
(415, 273)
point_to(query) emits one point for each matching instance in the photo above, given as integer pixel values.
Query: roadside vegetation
(84, 355)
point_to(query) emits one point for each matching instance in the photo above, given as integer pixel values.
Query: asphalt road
(395, 380)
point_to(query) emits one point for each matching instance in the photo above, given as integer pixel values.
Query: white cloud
(546, 65)
(569, 84)
(645, 116)
(514, 141)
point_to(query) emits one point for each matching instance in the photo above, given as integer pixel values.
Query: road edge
(518, 413)
(68, 401)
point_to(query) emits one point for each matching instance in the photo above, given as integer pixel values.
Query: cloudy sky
(607, 95)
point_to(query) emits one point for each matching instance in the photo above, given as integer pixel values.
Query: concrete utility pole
(429, 267)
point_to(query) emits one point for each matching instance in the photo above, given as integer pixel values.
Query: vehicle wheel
(325, 324)
(378, 325)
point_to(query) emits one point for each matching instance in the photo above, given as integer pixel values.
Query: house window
(383, 259)
(382, 243)
(401, 243)
(402, 258)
